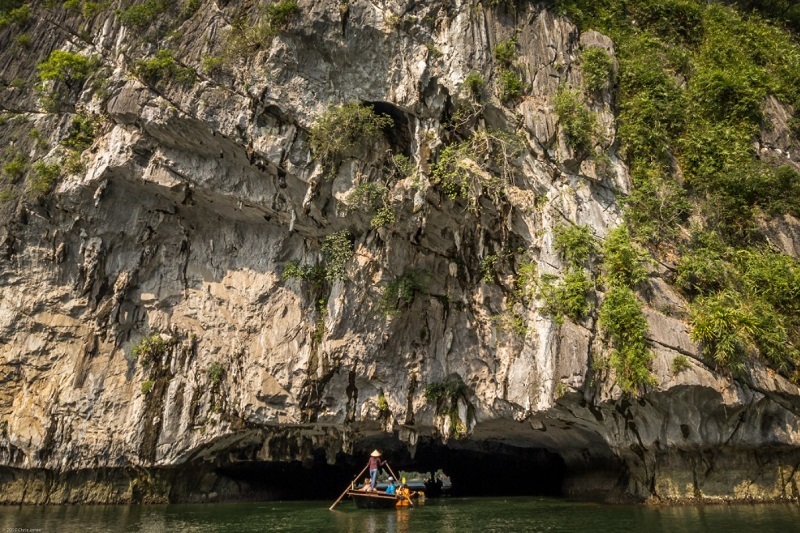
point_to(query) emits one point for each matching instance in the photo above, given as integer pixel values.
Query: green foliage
(384, 216)
(366, 197)
(597, 67)
(400, 293)
(249, 34)
(703, 271)
(726, 93)
(314, 274)
(526, 282)
(692, 81)
(341, 129)
(212, 64)
(489, 266)
(505, 52)
(479, 166)
(403, 165)
(151, 349)
(190, 7)
(567, 298)
(675, 21)
(70, 68)
(337, 250)
(652, 111)
(147, 386)
(445, 394)
(163, 67)
(61, 75)
(90, 9)
(383, 404)
(724, 328)
(215, 373)
(433, 50)
(576, 121)
(511, 85)
(73, 163)
(43, 178)
(656, 205)
(10, 5)
(746, 303)
(774, 277)
(38, 138)
(679, 364)
(280, 13)
(6, 195)
(15, 169)
(141, 16)
(623, 261)
(574, 244)
(23, 40)
(623, 321)
(475, 83)
(14, 12)
(82, 132)
(445, 390)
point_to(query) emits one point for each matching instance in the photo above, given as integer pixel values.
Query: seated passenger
(390, 488)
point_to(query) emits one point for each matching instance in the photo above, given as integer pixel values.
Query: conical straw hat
(376, 453)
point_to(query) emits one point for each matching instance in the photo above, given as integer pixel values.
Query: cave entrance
(473, 469)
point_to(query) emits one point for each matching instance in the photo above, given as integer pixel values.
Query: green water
(445, 515)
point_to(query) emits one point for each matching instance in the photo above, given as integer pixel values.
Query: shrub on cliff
(624, 324)
(569, 297)
(623, 260)
(151, 349)
(475, 83)
(337, 250)
(61, 76)
(575, 120)
(341, 129)
(14, 12)
(575, 244)
(163, 67)
(16, 167)
(256, 30)
(596, 66)
(70, 68)
(43, 178)
(482, 165)
(399, 294)
(215, 373)
(81, 132)
(505, 52)
(279, 13)
(140, 16)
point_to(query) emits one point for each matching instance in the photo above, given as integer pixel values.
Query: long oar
(348, 488)
(398, 479)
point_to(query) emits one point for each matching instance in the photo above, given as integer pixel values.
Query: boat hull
(373, 500)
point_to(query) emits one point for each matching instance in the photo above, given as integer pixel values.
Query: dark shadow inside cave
(491, 469)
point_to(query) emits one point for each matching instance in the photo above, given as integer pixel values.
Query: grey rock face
(195, 198)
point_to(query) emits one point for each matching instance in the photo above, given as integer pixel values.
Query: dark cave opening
(399, 134)
(486, 469)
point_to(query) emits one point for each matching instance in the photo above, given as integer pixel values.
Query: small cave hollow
(399, 134)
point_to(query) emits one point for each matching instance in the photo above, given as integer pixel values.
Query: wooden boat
(372, 500)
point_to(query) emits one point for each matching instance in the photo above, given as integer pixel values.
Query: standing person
(375, 463)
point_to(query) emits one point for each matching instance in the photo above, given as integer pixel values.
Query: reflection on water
(447, 516)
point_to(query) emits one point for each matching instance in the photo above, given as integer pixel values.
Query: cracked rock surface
(194, 198)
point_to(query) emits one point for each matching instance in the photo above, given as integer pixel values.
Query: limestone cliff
(199, 188)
